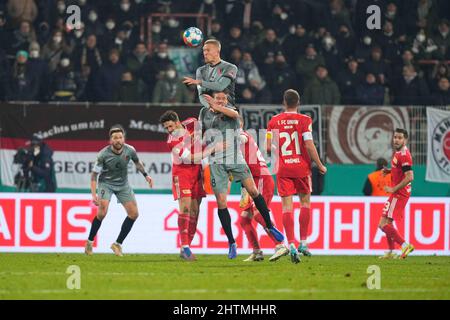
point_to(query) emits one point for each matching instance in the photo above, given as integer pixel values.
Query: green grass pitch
(105, 276)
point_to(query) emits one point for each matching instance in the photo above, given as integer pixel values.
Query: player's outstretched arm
(409, 177)
(140, 167)
(94, 188)
(199, 156)
(312, 151)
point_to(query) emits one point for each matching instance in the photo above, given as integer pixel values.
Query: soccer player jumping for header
(401, 176)
(291, 134)
(112, 165)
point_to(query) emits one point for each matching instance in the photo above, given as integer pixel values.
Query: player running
(112, 165)
(264, 182)
(291, 134)
(187, 178)
(220, 122)
(401, 176)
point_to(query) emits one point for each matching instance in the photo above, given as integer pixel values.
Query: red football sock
(183, 228)
(392, 233)
(193, 220)
(303, 219)
(250, 232)
(391, 243)
(288, 224)
(258, 218)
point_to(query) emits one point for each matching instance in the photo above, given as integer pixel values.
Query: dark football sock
(126, 227)
(225, 220)
(261, 205)
(94, 228)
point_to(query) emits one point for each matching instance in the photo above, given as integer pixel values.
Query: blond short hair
(214, 42)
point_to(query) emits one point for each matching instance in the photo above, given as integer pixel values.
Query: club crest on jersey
(394, 161)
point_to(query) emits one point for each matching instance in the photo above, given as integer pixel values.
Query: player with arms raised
(291, 135)
(401, 176)
(112, 165)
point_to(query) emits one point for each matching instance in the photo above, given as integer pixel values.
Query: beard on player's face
(117, 145)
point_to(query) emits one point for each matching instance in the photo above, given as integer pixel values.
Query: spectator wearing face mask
(66, 84)
(58, 12)
(93, 24)
(424, 47)
(110, 32)
(370, 92)
(169, 89)
(171, 31)
(128, 90)
(331, 55)
(108, 77)
(121, 43)
(364, 48)
(22, 83)
(280, 20)
(156, 32)
(77, 37)
(39, 67)
(126, 11)
(295, 42)
(54, 48)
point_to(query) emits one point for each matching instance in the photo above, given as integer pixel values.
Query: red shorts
(266, 187)
(188, 185)
(290, 186)
(394, 207)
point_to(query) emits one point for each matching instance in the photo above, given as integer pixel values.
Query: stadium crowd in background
(322, 48)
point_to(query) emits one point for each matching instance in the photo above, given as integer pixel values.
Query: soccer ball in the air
(193, 36)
